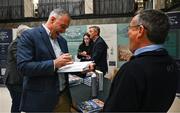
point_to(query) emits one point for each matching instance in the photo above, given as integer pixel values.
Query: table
(82, 93)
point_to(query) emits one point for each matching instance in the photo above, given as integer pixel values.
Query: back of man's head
(156, 23)
(21, 28)
(96, 28)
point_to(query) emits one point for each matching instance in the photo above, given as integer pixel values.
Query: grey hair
(156, 23)
(21, 29)
(59, 12)
(96, 28)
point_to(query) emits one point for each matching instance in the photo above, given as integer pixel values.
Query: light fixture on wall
(140, 4)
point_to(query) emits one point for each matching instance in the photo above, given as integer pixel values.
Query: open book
(75, 67)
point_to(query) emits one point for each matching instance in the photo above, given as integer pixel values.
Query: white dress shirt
(58, 52)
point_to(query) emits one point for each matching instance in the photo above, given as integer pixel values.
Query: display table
(82, 92)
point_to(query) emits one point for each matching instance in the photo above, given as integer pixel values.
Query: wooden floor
(5, 102)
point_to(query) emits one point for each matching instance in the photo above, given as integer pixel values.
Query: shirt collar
(148, 48)
(95, 39)
(47, 30)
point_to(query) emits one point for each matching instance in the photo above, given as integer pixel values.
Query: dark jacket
(146, 83)
(14, 77)
(99, 54)
(35, 57)
(82, 48)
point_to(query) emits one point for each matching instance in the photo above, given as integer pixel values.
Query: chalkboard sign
(5, 40)
(3, 50)
(174, 18)
(5, 35)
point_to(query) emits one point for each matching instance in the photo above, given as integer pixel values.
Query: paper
(75, 67)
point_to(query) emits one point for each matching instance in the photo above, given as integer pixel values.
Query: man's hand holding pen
(66, 59)
(63, 60)
(91, 67)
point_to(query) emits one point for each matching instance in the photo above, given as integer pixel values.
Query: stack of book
(75, 80)
(90, 106)
(100, 79)
(87, 81)
(75, 67)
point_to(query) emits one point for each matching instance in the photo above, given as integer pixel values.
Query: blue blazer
(35, 57)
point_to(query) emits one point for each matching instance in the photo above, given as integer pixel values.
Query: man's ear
(53, 19)
(141, 31)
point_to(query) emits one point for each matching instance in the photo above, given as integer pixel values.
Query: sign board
(5, 40)
(174, 18)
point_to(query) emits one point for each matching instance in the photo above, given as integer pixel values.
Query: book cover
(75, 80)
(75, 67)
(90, 106)
(100, 79)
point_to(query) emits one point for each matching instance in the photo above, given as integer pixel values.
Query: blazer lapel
(45, 37)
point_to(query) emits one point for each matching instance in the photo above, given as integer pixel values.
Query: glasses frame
(63, 26)
(130, 27)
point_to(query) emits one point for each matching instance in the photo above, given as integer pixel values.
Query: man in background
(146, 83)
(99, 49)
(14, 79)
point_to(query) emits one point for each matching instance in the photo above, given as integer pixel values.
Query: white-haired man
(14, 79)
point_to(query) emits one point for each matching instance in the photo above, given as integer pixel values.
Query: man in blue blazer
(40, 52)
(99, 50)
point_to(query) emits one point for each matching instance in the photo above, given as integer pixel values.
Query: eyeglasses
(63, 26)
(129, 26)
